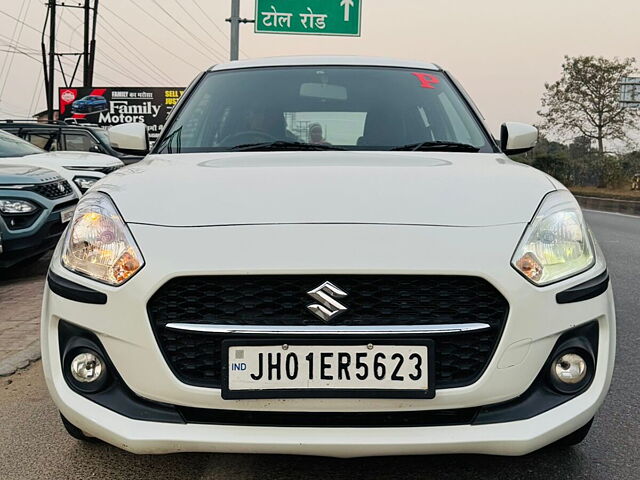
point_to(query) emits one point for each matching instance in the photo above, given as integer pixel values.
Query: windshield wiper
(436, 146)
(282, 145)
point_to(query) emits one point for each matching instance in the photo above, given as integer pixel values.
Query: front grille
(195, 358)
(52, 190)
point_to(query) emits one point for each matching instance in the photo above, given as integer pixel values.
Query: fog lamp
(569, 368)
(87, 367)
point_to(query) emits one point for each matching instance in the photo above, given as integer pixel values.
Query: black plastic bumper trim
(427, 418)
(585, 291)
(116, 395)
(73, 291)
(541, 397)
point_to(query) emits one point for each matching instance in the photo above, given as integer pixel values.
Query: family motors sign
(309, 17)
(108, 106)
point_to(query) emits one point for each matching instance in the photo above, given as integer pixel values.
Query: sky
(502, 51)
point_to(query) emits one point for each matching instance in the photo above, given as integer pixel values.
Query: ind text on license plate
(358, 369)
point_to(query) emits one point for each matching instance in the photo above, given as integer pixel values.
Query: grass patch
(618, 194)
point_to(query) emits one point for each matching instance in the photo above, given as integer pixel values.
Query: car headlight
(85, 183)
(98, 243)
(16, 206)
(557, 244)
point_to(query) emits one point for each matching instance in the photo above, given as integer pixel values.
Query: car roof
(4, 125)
(336, 60)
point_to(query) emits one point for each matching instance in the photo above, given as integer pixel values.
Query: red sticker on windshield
(426, 80)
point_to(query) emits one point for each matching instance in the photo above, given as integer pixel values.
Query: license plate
(327, 370)
(67, 214)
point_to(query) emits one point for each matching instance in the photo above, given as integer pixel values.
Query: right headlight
(85, 183)
(98, 243)
(557, 244)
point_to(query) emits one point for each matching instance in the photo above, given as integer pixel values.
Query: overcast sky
(502, 51)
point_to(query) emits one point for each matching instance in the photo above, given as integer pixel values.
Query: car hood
(410, 188)
(25, 175)
(76, 159)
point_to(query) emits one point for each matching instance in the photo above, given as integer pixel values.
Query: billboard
(107, 106)
(630, 92)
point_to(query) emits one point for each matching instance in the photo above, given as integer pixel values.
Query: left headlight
(557, 244)
(98, 243)
(16, 206)
(85, 183)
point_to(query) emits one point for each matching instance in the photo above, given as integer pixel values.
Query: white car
(328, 256)
(80, 169)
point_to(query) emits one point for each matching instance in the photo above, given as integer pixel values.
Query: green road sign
(309, 17)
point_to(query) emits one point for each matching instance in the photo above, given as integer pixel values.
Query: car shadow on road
(549, 463)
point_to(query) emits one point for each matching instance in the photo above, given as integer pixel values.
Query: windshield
(351, 108)
(12, 146)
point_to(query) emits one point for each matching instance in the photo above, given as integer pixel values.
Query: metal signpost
(309, 17)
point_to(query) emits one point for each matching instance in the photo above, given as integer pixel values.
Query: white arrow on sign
(347, 4)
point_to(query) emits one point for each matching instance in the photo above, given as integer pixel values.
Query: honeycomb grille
(53, 190)
(195, 358)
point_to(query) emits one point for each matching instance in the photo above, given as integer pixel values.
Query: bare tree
(586, 101)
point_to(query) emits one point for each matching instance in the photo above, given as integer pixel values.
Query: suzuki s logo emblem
(61, 188)
(327, 306)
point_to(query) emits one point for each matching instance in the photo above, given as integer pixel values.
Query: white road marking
(611, 213)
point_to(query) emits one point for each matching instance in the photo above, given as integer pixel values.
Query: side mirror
(517, 137)
(130, 138)
(96, 149)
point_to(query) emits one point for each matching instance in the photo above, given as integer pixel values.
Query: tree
(585, 101)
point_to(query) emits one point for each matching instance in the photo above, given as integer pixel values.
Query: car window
(78, 141)
(356, 108)
(48, 140)
(12, 146)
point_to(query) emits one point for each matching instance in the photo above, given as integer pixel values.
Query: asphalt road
(33, 443)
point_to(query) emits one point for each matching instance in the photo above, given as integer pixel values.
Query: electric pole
(52, 57)
(235, 30)
(85, 65)
(87, 55)
(235, 21)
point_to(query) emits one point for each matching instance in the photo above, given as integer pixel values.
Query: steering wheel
(246, 137)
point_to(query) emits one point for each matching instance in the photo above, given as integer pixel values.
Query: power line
(172, 31)
(144, 59)
(122, 70)
(208, 17)
(26, 7)
(134, 28)
(225, 49)
(190, 33)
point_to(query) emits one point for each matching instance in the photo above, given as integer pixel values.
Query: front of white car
(330, 299)
(81, 169)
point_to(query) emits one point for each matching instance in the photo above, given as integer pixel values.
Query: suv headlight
(85, 183)
(16, 206)
(557, 244)
(98, 243)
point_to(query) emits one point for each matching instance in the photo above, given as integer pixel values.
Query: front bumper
(536, 321)
(41, 237)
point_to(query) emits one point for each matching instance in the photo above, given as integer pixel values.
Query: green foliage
(585, 100)
(578, 164)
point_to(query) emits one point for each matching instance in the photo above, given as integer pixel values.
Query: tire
(576, 437)
(75, 432)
